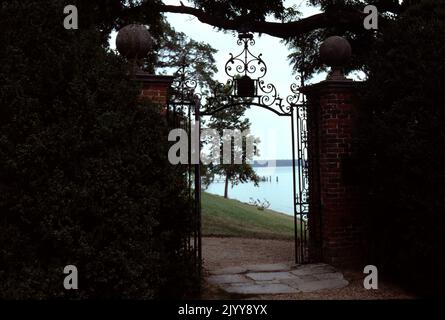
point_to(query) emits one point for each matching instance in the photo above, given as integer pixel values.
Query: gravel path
(220, 253)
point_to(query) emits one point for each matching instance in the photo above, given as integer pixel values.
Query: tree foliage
(242, 9)
(84, 174)
(232, 119)
(176, 50)
(401, 146)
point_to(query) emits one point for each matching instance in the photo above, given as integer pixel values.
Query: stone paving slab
(327, 276)
(294, 283)
(322, 284)
(264, 276)
(228, 278)
(277, 278)
(268, 267)
(261, 289)
(308, 278)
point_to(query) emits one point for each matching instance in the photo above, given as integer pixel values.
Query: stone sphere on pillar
(335, 51)
(134, 41)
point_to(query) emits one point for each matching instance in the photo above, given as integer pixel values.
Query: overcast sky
(273, 131)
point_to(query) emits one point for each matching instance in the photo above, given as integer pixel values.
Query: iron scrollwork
(183, 87)
(246, 84)
(246, 62)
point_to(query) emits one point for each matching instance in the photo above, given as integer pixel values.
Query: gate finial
(134, 42)
(336, 51)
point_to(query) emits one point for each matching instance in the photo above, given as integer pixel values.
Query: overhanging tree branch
(350, 19)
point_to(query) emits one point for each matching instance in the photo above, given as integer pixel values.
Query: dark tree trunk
(226, 188)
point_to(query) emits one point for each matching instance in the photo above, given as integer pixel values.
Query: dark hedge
(402, 148)
(84, 175)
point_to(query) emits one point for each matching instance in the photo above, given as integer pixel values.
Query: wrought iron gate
(301, 180)
(246, 86)
(183, 109)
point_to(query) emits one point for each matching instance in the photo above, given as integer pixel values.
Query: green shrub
(402, 147)
(84, 174)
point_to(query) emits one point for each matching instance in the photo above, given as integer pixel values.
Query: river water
(278, 190)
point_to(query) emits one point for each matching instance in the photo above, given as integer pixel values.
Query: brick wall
(155, 88)
(335, 223)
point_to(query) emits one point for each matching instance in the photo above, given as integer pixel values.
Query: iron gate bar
(198, 185)
(182, 101)
(235, 104)
(294, 185)
(300, 193)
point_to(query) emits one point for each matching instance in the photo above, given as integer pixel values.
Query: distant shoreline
(273, 163)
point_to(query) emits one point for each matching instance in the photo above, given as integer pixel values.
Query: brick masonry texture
(335, 223)
(156, 93)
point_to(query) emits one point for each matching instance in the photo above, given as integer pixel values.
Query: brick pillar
(335, 224)
(155, 88)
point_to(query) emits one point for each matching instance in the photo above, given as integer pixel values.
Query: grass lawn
(225, 217)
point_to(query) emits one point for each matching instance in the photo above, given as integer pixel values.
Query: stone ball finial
(335, 51)
(134, 41)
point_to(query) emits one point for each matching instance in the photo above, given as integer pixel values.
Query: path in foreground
(237, 253)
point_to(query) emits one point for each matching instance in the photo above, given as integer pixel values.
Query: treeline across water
(276, 163)
(222, 179)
